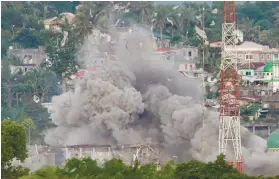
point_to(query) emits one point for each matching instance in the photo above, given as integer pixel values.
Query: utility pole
(203, 38)
(203, 88)
(29, 132)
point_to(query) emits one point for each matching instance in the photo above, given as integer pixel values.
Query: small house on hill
(29, 58)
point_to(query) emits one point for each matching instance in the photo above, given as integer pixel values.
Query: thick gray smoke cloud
(139, 100)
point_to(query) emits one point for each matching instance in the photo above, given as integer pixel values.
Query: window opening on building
(248, 57)
(28, 59)
(248, 73)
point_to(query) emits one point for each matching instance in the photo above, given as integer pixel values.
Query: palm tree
(182, 18)
(88, 16)
(160, 17)
(176, 18)
(143, 9)
(188, 17)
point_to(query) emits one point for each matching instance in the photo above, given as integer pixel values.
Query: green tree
(161, 14)
(85, 167)
(276, 16)
(249, 109)
(29, 125)
(191, 169)
(65, 6)
(115, 169)
(167, 171)
(88, 15)
(44, 173)
(249, 29)
(270, 37)
(28, 38)
(13, 146)
(143, 11)
(199, 170)
(61, 59)
(9, 81)
(38, 114)
(11, 16)
(42, 82)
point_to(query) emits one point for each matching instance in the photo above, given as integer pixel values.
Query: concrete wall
(246, 72)
(29, 56)
(23, 68)
(188, 53)
(37, 161)
(244, 57)
(101, 154)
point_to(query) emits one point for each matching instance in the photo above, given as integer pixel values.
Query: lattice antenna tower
(229, 127)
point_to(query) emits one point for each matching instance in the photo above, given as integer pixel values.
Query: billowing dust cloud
(137, 99)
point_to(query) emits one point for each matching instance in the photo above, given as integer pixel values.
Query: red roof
(162, 50)
(251, 65)
(81, 72)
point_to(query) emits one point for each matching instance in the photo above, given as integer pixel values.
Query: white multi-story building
(250, 51)
(253, 52)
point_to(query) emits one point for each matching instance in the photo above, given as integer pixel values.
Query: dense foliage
(18, 90)
(13, 146)
(249, 109)
(22, 22)
(115, 169)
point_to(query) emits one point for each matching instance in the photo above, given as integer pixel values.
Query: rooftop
(252, 65)
(53, 21)
(81, 72)
(253, 47)
(26, 50)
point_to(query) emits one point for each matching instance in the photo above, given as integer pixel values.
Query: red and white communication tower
(229, 127)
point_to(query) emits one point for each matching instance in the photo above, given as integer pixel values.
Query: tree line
(13, 145)
(116, 169)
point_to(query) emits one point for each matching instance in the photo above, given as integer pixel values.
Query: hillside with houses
(48, 47)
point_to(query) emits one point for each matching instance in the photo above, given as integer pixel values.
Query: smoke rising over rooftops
(139, 100)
